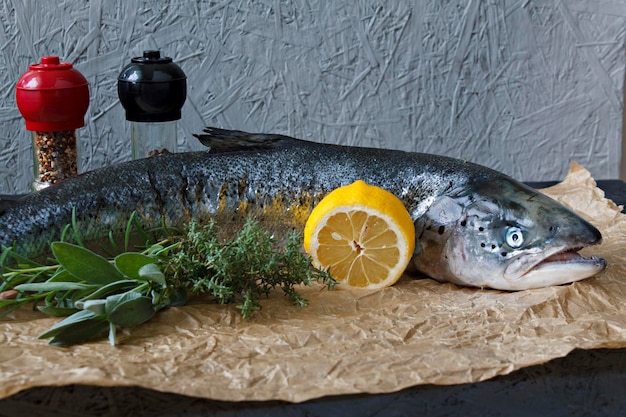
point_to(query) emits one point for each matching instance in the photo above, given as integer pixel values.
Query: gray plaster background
(521, 86)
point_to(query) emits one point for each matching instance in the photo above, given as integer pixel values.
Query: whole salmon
(474, 226)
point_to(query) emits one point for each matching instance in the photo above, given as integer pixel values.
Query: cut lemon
(363, 233)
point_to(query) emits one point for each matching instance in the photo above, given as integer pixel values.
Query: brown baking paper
(347, 341)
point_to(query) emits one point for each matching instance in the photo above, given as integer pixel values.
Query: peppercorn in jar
(57, 156)
(53, 98)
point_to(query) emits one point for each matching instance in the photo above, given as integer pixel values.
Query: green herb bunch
(241, 270)
(100, 294)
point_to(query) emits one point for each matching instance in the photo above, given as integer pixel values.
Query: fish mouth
(556, 266)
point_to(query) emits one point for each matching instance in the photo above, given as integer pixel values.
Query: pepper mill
(152, 90)
(53, 98)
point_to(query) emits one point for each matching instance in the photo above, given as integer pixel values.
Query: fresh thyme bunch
(99, 295)
(243, 269)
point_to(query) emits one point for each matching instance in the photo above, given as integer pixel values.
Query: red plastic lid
(52, 96)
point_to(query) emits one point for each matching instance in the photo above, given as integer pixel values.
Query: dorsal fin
(224, 140)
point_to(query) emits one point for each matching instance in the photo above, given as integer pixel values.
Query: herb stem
(40, 269)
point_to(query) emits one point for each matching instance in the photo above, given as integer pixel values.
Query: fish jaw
(556, 266)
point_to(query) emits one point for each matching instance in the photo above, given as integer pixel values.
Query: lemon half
(363, 233)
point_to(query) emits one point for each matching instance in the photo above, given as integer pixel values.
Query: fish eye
(514, 237)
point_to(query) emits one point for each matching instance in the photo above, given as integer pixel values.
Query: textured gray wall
(520, 86)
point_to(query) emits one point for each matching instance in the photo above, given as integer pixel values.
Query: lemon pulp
(363, 233)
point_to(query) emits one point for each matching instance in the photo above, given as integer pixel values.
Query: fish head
(506, 236)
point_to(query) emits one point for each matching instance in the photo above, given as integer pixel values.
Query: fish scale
(278, 180)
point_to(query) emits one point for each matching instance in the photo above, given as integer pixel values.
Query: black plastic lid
(152, 88)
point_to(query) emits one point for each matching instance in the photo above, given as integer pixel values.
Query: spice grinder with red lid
(53, 98)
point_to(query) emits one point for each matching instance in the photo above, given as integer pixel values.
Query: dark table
(584, 383)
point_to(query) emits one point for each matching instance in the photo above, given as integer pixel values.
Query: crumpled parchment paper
(347, 341)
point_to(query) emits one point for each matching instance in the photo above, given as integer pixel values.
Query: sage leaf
(57, 311)
(129, 263)
(84, 264)
(80, 316)
(132, 312)
(114, 300)
(81, 332)
(62, 275)
(111, 289)
(54, 286)
(151, 272)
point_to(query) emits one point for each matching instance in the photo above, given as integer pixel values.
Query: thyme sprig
(98, 294)
(241, 270)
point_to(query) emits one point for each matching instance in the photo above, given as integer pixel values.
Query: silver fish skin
(474, 226)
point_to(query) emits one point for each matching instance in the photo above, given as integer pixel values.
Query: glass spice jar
(152, 90)
(53, 98)
(56, 155)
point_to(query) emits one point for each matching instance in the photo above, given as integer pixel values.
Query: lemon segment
(363, 233)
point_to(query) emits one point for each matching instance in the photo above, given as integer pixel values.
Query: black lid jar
(152, 88)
